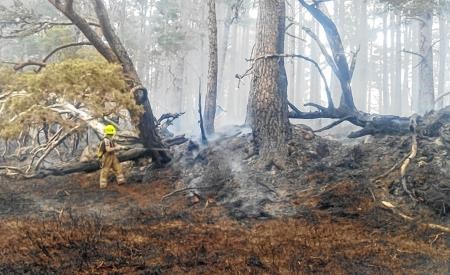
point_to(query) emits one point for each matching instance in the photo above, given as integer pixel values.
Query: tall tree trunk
(396, 61)
(291, 49)
(415, 71)
(361, 67)
(406, 70)
(315, 89)
(224, 46)
(268, 96)
(299, 97)
(426, 80)
(443, 50)
(211, 94)
(385, 67)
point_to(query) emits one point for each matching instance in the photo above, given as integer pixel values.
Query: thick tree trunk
(268, 96)
(426, 80)
(211, 94)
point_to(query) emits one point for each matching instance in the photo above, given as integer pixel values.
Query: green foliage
(168, 28)
(96, 86)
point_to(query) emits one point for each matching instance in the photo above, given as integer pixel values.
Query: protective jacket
(110, 162)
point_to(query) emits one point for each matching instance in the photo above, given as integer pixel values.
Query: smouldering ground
(129, 230)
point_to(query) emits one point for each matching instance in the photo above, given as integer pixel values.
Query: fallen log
(92, 165)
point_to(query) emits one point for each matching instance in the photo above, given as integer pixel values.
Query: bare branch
(20, 66)
(337, 122)
(323, 49)
(327, 88)
(295, 37)
(64, 47)
(440, 97)
(353, 64)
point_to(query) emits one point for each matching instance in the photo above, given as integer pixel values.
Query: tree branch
(323, 49)
(20, 66)
(353, 65)
(64, 47)
(322, 75)
(86, 29)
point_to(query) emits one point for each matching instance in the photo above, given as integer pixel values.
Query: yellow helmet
(109, 130)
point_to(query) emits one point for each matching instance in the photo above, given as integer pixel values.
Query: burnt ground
(322, 214)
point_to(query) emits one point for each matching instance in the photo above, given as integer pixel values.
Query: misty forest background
(168, 42)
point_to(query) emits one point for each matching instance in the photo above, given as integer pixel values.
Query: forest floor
(323, 213)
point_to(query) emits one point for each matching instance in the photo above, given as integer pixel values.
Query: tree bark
(224, 46)
(443, 50)
(268, 96)
(426, 80)
(385, 108)
(361, 70)
(211, 93)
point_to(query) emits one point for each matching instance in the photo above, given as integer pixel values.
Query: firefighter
(107, 153)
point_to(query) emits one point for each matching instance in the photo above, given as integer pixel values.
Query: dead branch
(169, 116)
(323, 49)
(440, 97)
(353, 64)
(295, 37)
(175, 140)
(20, 66)
(337, 122)
(53, 146)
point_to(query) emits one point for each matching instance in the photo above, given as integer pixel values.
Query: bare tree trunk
(268, 97)
(315, 79)
(415, 71)
(406, 70)
(426, 80)
(299, 97)
(396, 65)
(443, 50)
(291, 49)
(385, 68)
(224, 46)
(211, 94)
(360, 74)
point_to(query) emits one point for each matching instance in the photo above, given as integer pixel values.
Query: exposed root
(406, 217)
(412, 155)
